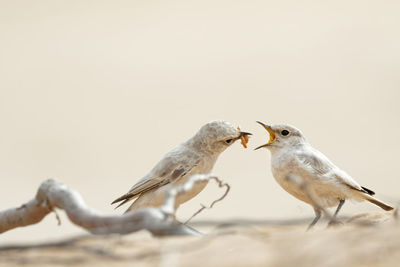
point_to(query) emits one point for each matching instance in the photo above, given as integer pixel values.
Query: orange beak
(272, 136)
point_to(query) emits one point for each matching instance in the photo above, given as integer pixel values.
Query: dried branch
(220, 184)
(53, 194)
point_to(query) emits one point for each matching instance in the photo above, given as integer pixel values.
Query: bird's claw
(335, 222)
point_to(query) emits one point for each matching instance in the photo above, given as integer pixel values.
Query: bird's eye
(285, 132)
(228, 141)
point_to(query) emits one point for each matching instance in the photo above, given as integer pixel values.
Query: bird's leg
(318, 208)
(341, 202)
(317, 217)
(333, 220)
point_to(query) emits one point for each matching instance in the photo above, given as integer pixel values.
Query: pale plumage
(294, 161)
(195, 156)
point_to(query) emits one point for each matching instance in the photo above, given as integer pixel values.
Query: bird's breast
(282, 163)
(282, 166)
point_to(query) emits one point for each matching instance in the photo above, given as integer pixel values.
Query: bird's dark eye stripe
(285, 132)
(228, 141)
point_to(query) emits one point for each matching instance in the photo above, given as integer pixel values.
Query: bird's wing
(314, 164)
(163, 173)
(320, 166)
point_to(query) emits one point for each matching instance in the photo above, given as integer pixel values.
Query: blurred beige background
(94, 93)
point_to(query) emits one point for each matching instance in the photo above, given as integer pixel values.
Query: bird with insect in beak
(195, 156)
(295, 163)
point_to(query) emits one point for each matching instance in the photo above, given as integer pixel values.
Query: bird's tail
(378, 203)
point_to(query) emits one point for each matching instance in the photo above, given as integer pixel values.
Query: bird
(195, 156)
(295, 163)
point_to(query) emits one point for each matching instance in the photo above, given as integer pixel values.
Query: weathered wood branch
(220, 184)
(53, 194)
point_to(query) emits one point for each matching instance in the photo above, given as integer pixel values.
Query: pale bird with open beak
(295, 163)
(195, 156)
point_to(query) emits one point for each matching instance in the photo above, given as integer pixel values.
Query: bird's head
(216, 136)
(282, 135)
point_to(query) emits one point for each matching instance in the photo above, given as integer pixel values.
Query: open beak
(272, 136)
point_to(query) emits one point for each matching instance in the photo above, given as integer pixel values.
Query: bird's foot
(335, 222)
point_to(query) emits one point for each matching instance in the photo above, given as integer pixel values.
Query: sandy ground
(94, 93)
(364, 240)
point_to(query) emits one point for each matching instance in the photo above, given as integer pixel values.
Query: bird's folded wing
(314, 163)
(139, 188)
(320, 166)
(148, 183)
